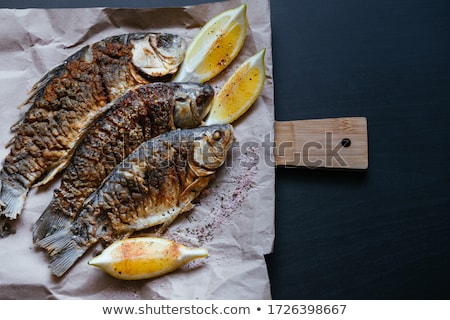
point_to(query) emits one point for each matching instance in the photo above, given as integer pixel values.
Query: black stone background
(385, 233)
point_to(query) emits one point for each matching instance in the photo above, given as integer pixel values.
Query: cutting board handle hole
(346, 142)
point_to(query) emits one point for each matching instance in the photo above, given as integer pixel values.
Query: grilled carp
(152, 186)
(67, 99)
(142, 113)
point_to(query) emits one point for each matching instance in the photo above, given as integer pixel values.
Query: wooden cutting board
(336, 143)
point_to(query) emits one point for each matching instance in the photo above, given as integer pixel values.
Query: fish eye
(217, 135)
(165, 40)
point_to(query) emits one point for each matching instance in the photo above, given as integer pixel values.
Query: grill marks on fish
(140, 114)
(53, 124)
(152, 186)
(64, 103)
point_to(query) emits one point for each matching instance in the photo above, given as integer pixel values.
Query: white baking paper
(234, 219)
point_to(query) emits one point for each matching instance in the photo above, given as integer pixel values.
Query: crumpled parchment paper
(234, 219)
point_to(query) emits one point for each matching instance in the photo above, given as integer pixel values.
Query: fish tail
(64, 250)
(12, 200)
(50, 221)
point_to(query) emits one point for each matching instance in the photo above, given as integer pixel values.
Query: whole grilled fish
(142, 113)
(151, 187)
(67, 99)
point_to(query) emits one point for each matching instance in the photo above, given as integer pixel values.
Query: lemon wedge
(144, 258)
(239, 92)
(215, 46)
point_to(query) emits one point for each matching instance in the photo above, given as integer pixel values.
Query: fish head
(211, 145)
(192, 104)
(157, 54)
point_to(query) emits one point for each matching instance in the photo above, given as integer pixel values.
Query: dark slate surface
(385, 233)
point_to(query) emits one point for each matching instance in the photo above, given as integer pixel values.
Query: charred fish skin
(69, 97)
(151, 187)
(139, 115)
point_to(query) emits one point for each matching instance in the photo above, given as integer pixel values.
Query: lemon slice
(144, 258)
(239, 92)
(215, 46)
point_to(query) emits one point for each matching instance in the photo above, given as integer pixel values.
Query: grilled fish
(142, 113)
(151, 187)
(67, 99)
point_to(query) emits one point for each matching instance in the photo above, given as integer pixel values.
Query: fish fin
(199, 171)
(20, 106)
(12, 199)
(33, 93)
(193, 190)
(63, 249)
(10, 142)
(185, 208)
(39, 87)
(56, 242)
(50, 221)
(16, 126)
(55, 169)
(63, 261)
(186, 197)
(13, 129)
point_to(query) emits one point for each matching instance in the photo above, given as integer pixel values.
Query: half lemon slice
(239, 92)
(144, 258)
(215, 46)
